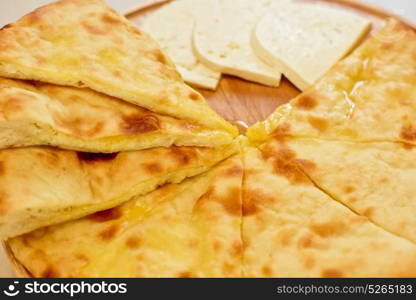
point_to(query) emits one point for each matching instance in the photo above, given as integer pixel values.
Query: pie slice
(222, 37)
(293, 229)
(369, 96)
(34, 113)
(375, 180)
(172, 27)
(191, 229)
(44, 186)
(86, 44)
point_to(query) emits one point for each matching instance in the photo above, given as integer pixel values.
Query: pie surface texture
(322, 188)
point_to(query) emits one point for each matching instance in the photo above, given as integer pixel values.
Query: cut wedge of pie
(369, 96)
(191, 229)
(34, 113)
(375, 180)
(86, 44)
(292, 229)
(44, 186)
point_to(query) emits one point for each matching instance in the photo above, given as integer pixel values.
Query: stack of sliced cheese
(254, 40)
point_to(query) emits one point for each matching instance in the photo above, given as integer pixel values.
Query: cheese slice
(45, 186)
(375, 180)
(172, 26)
(191, 229)
(86, 44)
(303, 41)
(222, 40)
(293, 229)
(366, 97)
(34, 113)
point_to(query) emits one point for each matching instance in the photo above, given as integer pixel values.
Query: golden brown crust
(87, 44)
(43, 186)
(179, 230)
(296, 230)
(35, 113)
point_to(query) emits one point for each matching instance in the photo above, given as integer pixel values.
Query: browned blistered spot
(81, 127)
(160, 57)
(232, 172)
(286, 164)
(237, 248)
(283, 153)
(290, 171)
(253, 199)
(349, 189)
(133, 242)
(82, 257)
(387, 45)
(305, 164)
(319, 123)
(331, 228)
(153, 168)
(36, 15)
(49, 157)
(110, 19)
(93, 29)
(194, 96)
(309, 241)
(117, 74)
(352, 200)
(306, 241)
(408, 133)
(409, 147)
(2, 169)
(306, 101)
(232, 201)
(139, 124)
(368, 212)
(50, 272)
(384, 180)
(228, 268)
(182, 155)
(106, 215)
(109, 232)
(185, 274)
(331, 273)
(282, 129)
(285, 236)
(93, 157)
(6, 26)
(266, 271)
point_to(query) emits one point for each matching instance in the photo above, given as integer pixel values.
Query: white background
(10, 10)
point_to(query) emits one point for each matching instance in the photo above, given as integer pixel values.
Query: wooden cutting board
(237, 100)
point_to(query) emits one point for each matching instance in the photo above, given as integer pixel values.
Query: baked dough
(86, 44)
(191, 229)
(35, 113)
(45, 186)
